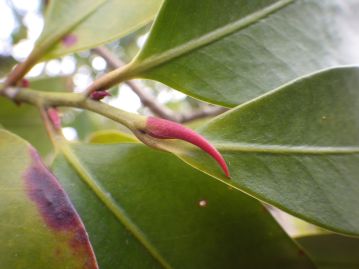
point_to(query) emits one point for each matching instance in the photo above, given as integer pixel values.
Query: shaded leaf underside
(296, 148)
(250, 48)
(330, 251)
(171, 216)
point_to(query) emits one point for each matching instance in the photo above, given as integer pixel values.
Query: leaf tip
(57, 211)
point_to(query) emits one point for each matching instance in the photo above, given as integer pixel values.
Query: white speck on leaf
(202, 203)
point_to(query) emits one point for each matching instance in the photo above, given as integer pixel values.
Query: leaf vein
(286, 149)
(118, 212)
(158, 59)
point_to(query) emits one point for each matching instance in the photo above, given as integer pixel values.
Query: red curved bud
(165, 129)
(98, 95)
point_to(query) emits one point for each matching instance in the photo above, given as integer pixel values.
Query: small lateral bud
(54, 117)
(98, 95)
(25, 83)
(165, 129)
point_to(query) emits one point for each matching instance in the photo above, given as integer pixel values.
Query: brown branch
(203, 113)
(146, 98)
(149, 100)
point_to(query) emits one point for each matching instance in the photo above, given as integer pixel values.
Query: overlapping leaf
(146, 209)
(86, 24)
(330, 251)
(228, 52)
(39, 226)
(74, 25)
(296, 148)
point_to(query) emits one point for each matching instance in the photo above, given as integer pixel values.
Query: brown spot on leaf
(69, 40)
(57, 211)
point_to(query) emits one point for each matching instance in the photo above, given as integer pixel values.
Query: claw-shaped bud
(164, 129)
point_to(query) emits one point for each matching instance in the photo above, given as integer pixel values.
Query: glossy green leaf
(39, 226)
(330, 251)
(85, 24)
(147, 209)
(230, 51)
(296, 148)
(110, 137)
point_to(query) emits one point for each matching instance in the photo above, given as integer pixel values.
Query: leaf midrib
(116, 210)
(285, 149)
(139, 66)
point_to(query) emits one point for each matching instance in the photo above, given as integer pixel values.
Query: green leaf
(227, 52)
(146, 209)
(296, 148)
(86, 24)
(25, 121)
(332, 251)
(39, 226)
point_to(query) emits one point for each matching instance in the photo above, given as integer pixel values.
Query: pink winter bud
(164, 129)
(98, 95)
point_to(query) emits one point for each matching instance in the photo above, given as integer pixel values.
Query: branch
(154, 132)
(149, 100)
(146, 98)
(203, 113)
(77, 100)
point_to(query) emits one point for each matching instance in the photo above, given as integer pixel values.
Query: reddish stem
(54, 117)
